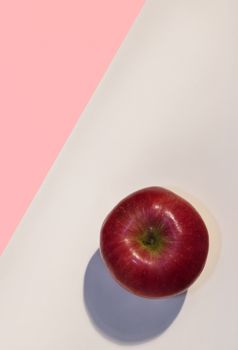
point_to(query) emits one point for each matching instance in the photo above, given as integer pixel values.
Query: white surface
(165, 114)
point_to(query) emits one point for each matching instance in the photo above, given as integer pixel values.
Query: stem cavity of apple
(152, 239)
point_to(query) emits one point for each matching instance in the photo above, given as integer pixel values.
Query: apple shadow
(121, 315)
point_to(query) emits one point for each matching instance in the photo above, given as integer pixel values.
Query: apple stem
(149, 239)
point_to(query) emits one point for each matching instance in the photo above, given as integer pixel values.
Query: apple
(154, 243)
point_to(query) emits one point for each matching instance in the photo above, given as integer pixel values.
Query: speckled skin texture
(168, 263)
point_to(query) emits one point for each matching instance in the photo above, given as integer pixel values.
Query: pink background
(53, 55)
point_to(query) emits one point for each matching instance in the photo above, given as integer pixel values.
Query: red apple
(154, 243)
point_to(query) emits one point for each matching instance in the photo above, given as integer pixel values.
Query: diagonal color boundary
(54, 55)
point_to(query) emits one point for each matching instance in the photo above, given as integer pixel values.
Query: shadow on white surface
(120, 315)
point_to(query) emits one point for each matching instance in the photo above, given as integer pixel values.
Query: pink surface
(53, 54)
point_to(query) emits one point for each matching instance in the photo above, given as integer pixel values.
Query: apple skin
(154, 243)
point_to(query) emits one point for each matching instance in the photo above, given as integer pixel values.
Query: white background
(165, 114)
